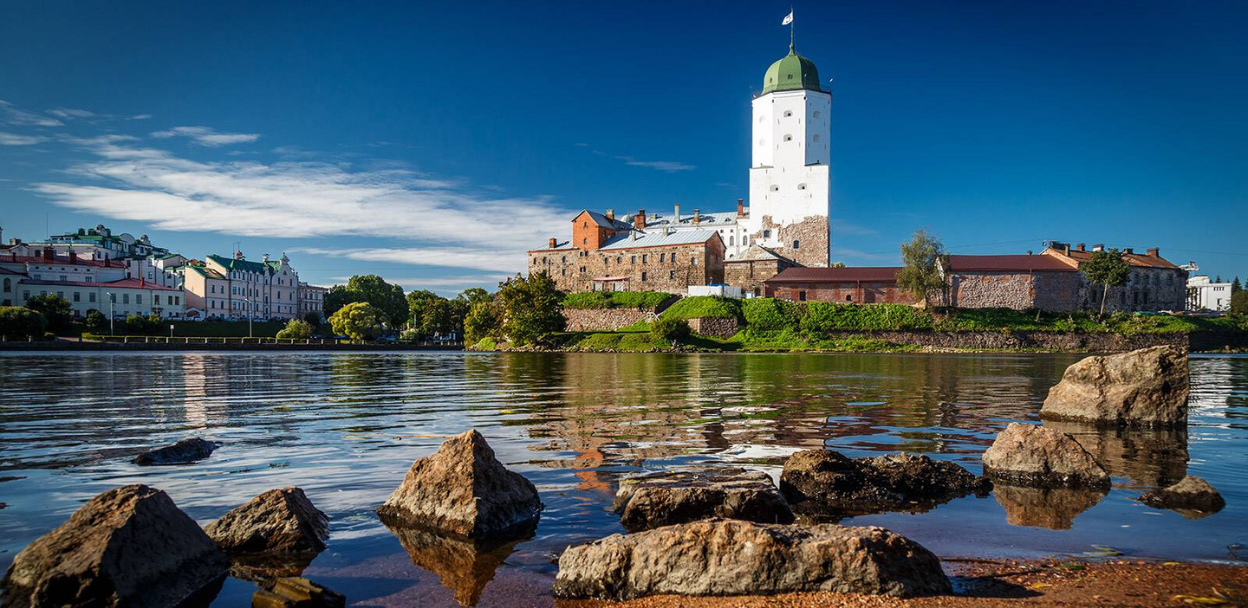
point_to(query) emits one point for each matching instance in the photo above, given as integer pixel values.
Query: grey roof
(717, 218)
(656, 238)
(602, 220)
(558, 246)
(758, 252)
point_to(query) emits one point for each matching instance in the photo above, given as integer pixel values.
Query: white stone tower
(789, 175)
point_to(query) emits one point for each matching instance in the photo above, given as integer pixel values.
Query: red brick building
(860, 285)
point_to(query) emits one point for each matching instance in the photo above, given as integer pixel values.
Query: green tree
(1107, 269)
(337, 297)
(438, 317)
(836, 265)
(472, 295)
(139, 325)
(1239, 303)
(670, 330)
(96, 320)
(373, 289)
(922, 273)
(296, 329)
(1236, 286)
(532, 308)
(312, 318)
(358, 321)
(417, 300)
(54, 308)
(19, 322)
(484, 320)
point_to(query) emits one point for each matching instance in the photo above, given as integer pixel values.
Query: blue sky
(434, 143)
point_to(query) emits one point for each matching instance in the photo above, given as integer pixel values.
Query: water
(345, 428)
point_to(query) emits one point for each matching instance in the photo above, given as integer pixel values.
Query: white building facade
(1204, 294)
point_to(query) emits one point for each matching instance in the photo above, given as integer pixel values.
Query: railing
(266, 341)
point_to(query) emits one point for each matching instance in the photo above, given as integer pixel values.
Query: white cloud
(665, 166)
(140, 117)
(205, 136)
(13, 139)
(840, 226)
(441, 223)
(447, 284)
(17, 116)
(71, 113)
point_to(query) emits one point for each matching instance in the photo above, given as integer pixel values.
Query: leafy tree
(484, 320)
(140, 325)
(1236, 286)
(386, 298)
(96, 320)
(532, 308)
(54, 308)
(358, 321)
(1218, 279)
(337, 297)
(438, 317)
(1239, 303)
(473, 295)
(18, 322)
(922, 273)
(671, 330)
(1108, 269)
(417, 300)
(296, 329)
(312, 318)
(837, 265)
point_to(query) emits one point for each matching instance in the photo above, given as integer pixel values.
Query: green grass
(695, 307)
(617, 299)
(828, 316)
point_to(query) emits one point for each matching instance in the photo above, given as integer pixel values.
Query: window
(645, 257)
(788, 137)
(91, 297)
(788, 113)
(77, 297)
(632, 259)
(156, 300)
(849, 298)
(662, 257)
(8, 284)
(732, 241)
(801, 186)
(801, 296)
(775, 188)
(766, 234)
(643, 277)
(693, 261)
(816, 136)
(584, 241)
(796, 244)
(125, 298)
(671, 275)
(816, 115)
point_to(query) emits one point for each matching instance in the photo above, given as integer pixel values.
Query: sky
(433, 143)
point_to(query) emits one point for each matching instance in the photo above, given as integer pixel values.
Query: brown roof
(866, 274)
(1142, 260)
(1008, 263)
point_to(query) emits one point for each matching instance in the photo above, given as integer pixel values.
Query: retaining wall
(1060, 341)
(716, 328)
(604, 319)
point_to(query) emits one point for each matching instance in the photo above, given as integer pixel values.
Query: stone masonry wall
(716, 328)
(1147, 289)
(853, 293)
(812, 236)
(1059, 341)
(604, 319)
(671, 268)
(1057, 291)
(750, 274)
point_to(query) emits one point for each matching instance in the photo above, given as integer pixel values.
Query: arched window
(788, 113)
(8, 284)
(788, 138)
(775, 188)
(816, 137)
(801, 186)
(732, 241)
(585, 241)
(796, 244)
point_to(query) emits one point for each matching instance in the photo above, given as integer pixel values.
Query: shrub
(296, 329)
(770, 314)
(696, 307)
(57, 310)
(139, 325)
(670, 330)
(484, 320)
(1239, 302)
(823, 317)
(96, 320)
(358, 321)
(616, 299)
(486, 343)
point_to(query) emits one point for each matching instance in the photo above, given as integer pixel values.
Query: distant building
(1204, 294)
(223, 287)
(121, 298)
(312, 299)
(861, 285)
(1154, 284)
(1020, 282)
(752, 268)
(608, 254)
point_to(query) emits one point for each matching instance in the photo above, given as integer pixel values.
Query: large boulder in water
(1030, 455)
(827, 483)
(186, 451)
(1145, 387)
(733, 557)
(463, 490)
(661, 499)
(130, 546)
(275, 534)
(1192, 496)
(292, 592)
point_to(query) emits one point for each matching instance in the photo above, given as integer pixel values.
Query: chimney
(48, 253)
(554, 243)
(610, 215)
(238, 255)
(676, 214)
(697, 216)
(639, 220)
(1066, 248)
(1098, 247)
(740, 207)
(1081, 247)
(73, 257)
(266, 258)
(1129, 251)
(632, 235)
(1028, 252)
(1155, 252)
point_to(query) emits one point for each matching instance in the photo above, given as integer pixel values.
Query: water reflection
(463, 567)
(346, 428)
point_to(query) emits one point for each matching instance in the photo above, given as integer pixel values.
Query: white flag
(787, 19)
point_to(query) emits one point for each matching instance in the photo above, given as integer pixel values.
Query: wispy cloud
(443, 284)
(70, 113)
(205, 136)
(140, 117)
(666, 166)
(840, 226)
(17, 116)
(13, 139)
(436, 222)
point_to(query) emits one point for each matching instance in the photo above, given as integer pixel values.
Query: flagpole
(791, 26)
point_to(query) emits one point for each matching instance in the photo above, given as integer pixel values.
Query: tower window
(788, 138)
(775, 188)
(816, 137)
(796, 244)
(788, 113)
(816, 114)
(801, 186)
(801, 295)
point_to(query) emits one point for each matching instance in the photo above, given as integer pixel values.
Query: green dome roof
(791, 73)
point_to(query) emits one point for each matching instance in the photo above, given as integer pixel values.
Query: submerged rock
(186, 451)
(1192, 496)
(661, 499)
(732, 557)
(1144, 387)
(130, 546)
(463, 490)
(275, 534)
(463, 567)
(1030, 455)
(1052, 508)
(1149, 457)
(297, 593)
(826, 483)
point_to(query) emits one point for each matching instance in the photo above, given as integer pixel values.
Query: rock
(660, 499)
(733, 557)
(130, 546)
(827, 483)
(1030, 455)
(1145, 387)
(463, 567)
(1192, 496)
(1149, 457)
(277, 521)
(297, 593)
(463, 490)
(1052, 508)
(186, 451)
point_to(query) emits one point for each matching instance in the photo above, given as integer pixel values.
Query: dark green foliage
(337, 297)
(618, 299)
(296, 329)
(532, 309)
(922, 260)
(313, 319)
(1236, 286)
(697, 307)
(96, 320)
(483, 321)
(473, 295)
(1239, 303)
(20, 323)
(1107, 269)
(672, 331)
(440, 317)
(386, 298)
(769, 314)
(54, 308)
(828, 316)
(417, 300)
(139, 325)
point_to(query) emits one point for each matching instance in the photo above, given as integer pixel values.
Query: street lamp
(250, 333)
(112, 318)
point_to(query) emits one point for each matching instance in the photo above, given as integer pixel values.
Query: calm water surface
(345, 428)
